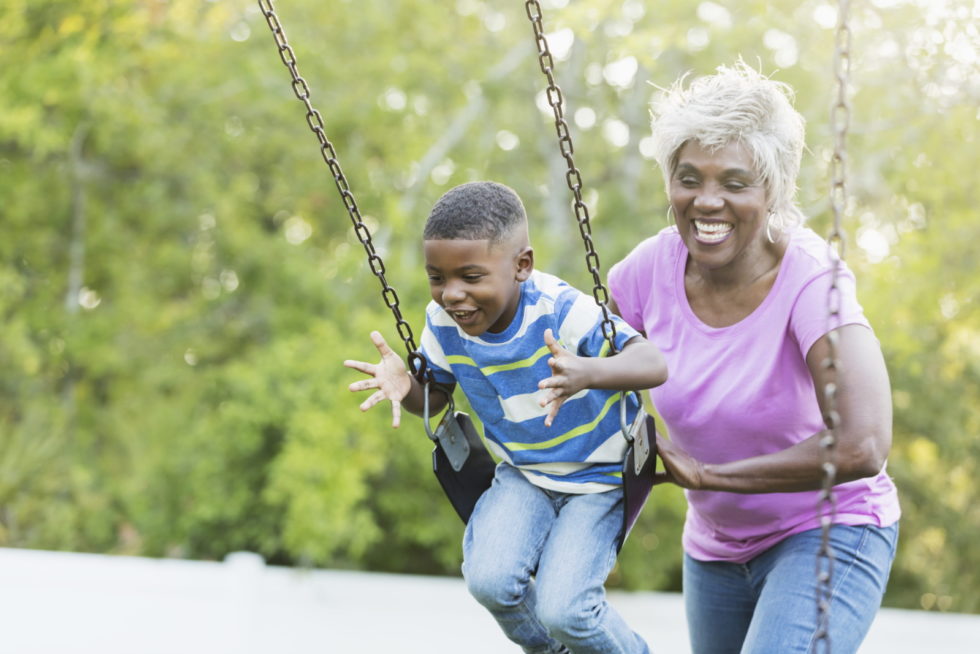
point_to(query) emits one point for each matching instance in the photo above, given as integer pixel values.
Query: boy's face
(477, 283)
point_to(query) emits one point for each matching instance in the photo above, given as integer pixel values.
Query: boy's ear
(525, 263)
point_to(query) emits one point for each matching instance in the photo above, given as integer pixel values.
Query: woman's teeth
(713, 232)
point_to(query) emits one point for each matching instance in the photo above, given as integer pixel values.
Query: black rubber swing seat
(465, 469)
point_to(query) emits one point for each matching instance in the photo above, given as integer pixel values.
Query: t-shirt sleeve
(435, 357)
(809, 318)
(631, 280)
(580, 326)
(622, 287)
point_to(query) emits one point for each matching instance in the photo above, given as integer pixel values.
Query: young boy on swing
(523, 344)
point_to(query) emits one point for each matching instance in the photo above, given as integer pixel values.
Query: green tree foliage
(179, 282)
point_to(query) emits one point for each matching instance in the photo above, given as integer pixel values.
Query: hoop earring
(670, 215)
(769, 227)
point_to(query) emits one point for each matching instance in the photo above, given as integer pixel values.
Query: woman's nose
(708, 200)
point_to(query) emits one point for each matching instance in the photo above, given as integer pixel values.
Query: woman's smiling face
(720, 206)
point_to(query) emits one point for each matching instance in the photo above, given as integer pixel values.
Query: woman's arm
(863, 438)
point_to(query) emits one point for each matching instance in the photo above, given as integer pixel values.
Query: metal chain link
(572, 177)
(836, 241)
(329, 154)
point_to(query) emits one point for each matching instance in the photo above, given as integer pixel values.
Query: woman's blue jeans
(537, 560)
(768, 605)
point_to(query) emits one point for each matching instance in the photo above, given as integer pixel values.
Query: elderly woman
(735, 296)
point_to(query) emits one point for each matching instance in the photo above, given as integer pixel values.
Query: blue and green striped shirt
(583, 450)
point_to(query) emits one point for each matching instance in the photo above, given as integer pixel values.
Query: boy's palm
(567, 377)
(389, 376)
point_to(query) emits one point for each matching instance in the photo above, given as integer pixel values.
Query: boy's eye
(434, 279)
(472, 278)
(735, 186)
(688, 181)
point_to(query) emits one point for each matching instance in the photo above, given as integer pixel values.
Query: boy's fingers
(371, 401)
(555, 405)
(396, 413)
(549, 340)
(548, 382)
(381, 344)
(362, 366)
(363, 385)
(549, 397)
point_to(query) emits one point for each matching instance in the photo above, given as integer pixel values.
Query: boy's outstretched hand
(389, 376)
(568, 377)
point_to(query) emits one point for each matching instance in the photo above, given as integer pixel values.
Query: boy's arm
(391, 381)
(639, 365)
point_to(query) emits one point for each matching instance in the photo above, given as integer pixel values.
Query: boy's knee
(491, 589)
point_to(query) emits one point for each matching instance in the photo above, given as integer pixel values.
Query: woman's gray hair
(736, 105)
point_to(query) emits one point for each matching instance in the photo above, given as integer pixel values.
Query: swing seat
(461, 462)
(638, 469)
(465, 468)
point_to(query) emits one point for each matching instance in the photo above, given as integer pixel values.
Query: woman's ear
(525, 263)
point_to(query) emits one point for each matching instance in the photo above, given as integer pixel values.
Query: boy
(554, 510)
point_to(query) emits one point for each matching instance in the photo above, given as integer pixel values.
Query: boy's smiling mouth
(465, 318)
(462, 315)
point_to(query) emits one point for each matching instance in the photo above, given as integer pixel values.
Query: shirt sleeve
(809, 319)
(624, 291)
(632, 280)
(580, 326)
(435, 357)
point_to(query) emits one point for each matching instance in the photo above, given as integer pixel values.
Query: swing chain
(315, 122)
(836, 242)
(572, 177)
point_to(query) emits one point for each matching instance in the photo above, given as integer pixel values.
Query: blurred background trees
(179, 282)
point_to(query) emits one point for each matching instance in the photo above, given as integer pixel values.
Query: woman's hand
(679, 467)
(389, 376)
(569, 375)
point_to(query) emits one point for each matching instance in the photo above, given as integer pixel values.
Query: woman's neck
(720, 297)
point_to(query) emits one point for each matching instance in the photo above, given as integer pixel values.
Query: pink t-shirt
(744, 390)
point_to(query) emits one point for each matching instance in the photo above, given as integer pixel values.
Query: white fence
(64, 603)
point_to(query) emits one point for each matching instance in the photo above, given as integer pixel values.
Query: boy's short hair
(476, 211)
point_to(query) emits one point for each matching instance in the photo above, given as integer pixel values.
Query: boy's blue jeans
(768, 605)
(537, 560)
